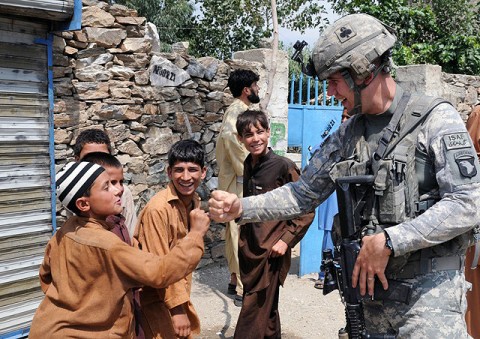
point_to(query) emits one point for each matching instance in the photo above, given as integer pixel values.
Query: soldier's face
(338, 87)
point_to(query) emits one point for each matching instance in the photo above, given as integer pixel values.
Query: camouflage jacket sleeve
(303, 196)
(445, 140)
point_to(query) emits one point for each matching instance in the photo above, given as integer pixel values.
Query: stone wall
(463, 91)
(111, 75)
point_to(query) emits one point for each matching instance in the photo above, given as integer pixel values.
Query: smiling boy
(264, 248)
(88, 273)
(168, 312)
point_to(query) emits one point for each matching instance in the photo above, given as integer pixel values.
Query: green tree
(443, 32)
(174, 18)
(227, 26)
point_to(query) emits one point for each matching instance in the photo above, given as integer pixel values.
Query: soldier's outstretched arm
(224, 206)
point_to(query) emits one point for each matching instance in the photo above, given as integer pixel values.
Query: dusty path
(304, 311)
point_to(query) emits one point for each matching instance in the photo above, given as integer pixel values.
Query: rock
(135, 32)
(63, 136)
(136, 61)
(136, 45)
(105, 37)
(80, 36)
(159, 140)
(195, 69)
(130, 20)
(129, 147)
(120, 10)
(213, 106)
(93, 73)
(181, 47)
(142, 78)
(151, 33)
(121, 73)
(93, 16)
(91, 90)
(90, 52)
(217, 251)
(211, 66)
(59, 44)
(163, 73)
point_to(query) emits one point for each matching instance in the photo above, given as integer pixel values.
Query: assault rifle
(338, 266)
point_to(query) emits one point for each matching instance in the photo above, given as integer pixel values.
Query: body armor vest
(405, 184)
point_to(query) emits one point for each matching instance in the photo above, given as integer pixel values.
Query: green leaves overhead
(224, 27)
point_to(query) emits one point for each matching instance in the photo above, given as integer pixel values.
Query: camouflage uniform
(438, 302)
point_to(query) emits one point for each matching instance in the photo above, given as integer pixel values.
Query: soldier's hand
(199, 221)
(279, 249)
(224, 206)
(371, 261)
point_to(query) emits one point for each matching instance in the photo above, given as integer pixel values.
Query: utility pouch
(390, 194)
(396, 183)
(400, 291)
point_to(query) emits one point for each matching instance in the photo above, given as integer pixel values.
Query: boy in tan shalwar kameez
(88, 273)
(167, 312)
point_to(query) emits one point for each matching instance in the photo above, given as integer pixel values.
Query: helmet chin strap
(357, 89)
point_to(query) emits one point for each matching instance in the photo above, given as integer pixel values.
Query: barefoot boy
(264, 248)
(87, 273)
(168, 312)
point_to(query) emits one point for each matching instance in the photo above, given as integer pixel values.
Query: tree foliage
(174, 19)
(219, 28)
(227, 26)
(443, 32)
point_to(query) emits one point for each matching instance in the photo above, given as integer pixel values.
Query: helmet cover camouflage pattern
(353, 42)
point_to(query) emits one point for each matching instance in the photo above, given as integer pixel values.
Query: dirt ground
(304, 311)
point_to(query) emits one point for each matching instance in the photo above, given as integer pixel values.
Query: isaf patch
(456, 141)
(466, 164)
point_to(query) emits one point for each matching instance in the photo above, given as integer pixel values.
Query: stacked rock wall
(110, 75)
(463, 91)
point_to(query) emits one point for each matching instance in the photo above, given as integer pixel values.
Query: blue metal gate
(310, 121)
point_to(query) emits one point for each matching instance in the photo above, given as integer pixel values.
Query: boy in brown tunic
(88, 272)
(167, 312)
(264, 248)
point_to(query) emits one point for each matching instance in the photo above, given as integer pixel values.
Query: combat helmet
(352, 42)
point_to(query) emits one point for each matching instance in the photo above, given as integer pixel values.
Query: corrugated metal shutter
(25, 195)
(58, 10)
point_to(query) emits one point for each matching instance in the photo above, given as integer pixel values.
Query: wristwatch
(388, 242)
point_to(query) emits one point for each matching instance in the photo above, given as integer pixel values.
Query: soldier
(425, 197)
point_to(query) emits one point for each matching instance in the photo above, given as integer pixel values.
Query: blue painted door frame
(310, 121)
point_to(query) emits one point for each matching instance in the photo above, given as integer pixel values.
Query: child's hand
(279, 249)
(181, 323)
(199, 221)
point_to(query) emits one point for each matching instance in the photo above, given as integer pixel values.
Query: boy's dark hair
(239, 79)
(250, 118)
(102, 159)
(186, 151)
(91, 136)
